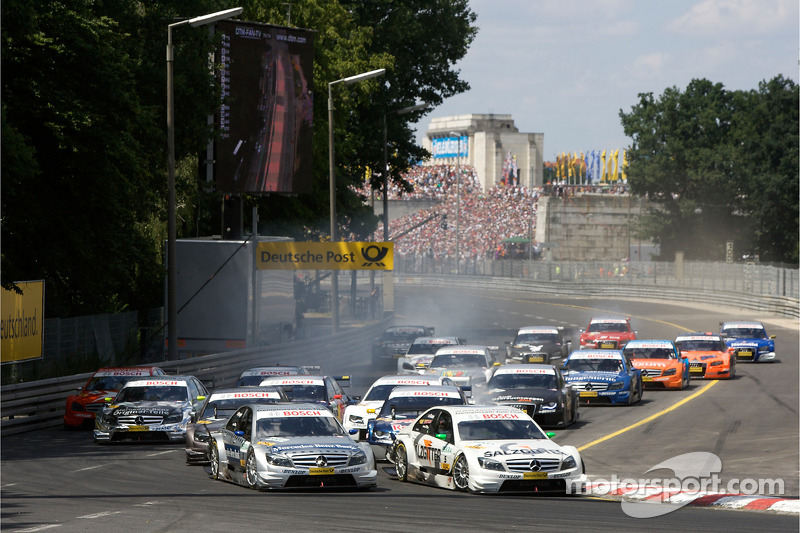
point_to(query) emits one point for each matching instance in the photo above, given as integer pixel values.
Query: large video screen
(265, 116)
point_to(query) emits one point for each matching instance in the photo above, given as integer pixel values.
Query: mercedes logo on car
(321, 461)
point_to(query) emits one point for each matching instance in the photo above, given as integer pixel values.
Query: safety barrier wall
(40, 404)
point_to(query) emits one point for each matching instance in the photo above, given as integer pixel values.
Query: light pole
(332, 178)
(172, 266)
(385, 171)
(458, 198)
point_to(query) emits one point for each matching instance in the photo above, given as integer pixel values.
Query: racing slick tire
(401, 462)
(461, 473)
(213, 457)
(733, 368)
(251, 470)
(685, 380)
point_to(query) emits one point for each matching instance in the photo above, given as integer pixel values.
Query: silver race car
(156, 408)
(289, 446)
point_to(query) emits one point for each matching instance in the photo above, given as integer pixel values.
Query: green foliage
(84, 130)
(721, 165)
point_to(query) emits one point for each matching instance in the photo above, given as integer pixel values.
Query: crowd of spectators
(484, 219)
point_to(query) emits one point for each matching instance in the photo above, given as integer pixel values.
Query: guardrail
(40, 404)
(780, 305)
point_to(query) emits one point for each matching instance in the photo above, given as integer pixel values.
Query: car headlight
(549, 406)
(201, 437)
(379, 434)
(358, 458)
(279, 460)
(490, 464)
(354, 419)
(716, 363)
(763, 349)
(617, 385)
(669, 372)
(568, 463)
(173, 418)
(77, 407)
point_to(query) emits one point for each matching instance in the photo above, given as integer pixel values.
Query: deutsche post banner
(325, 256)
(22, 322)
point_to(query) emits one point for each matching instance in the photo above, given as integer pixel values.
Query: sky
(565, 68)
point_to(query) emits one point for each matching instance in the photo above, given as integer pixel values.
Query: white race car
(467, 365)
(421, 352)
(357, 417)
(486, 449)
(289, 446)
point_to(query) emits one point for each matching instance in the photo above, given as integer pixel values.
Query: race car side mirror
(441, 436)
(772, 337)
(550, 434)
(407, 366)
(352, 431)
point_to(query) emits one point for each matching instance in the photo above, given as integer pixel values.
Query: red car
(607, 333)
(81, 408)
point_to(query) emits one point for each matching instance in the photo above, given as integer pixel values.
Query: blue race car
(749, 341)
(603, 376)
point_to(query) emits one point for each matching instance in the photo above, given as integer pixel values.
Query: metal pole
(385, 173)
(458, 205)
(332, 178)
(172, 268)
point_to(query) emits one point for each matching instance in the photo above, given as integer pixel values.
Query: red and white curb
(696, 499)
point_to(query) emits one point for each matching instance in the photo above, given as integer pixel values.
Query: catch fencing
(740, 279)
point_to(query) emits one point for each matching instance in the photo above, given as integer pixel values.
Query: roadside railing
(40, 404)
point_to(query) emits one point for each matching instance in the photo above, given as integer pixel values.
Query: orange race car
(661, 364)
(708, 355)
(82, 407)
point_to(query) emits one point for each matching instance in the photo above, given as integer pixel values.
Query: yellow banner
(22, 322)
(325, 256)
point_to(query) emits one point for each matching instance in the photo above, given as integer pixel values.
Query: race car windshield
(153, 394)
(522, 381)
(608, 327)
(301, 426)
(747, 333)
(305, 393)
(379, 393)
(225, 408)
(410, 407)
(107, 383)
(528, 338)
(649, 353)
(597, 365)
(499, 430)
(450, 360)
(699, 346)
(427, 349)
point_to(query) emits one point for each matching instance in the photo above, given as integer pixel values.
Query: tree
(692, 154)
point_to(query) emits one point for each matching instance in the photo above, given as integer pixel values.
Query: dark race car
(539, 390)
(394, 343)
(216, 410)
(538, 344)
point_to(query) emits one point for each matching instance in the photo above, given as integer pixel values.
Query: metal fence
(746, 278)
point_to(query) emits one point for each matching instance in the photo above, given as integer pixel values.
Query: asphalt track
(58, 480)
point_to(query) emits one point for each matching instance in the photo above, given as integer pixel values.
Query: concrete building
(493, 141)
